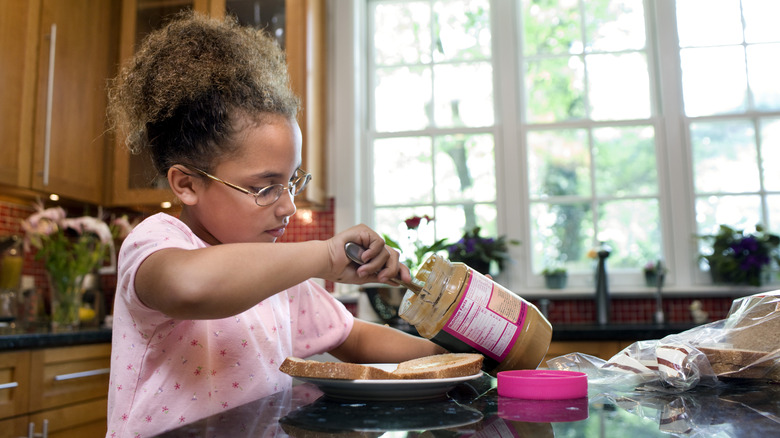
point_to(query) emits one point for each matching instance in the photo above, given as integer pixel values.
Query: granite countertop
(742, 409)
(14, 338)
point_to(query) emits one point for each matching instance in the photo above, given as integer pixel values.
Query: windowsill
(703, 291)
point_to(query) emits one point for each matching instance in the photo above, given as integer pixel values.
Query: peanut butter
(464, 311)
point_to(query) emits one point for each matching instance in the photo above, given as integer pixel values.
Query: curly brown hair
(189, 84)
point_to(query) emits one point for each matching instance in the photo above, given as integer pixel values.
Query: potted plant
(555, 277)
(479, 252)
(738, 257)
(655, 272)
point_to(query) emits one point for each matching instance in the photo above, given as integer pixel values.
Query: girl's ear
(184, 185)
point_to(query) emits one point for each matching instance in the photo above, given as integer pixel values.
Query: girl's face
(268, 153)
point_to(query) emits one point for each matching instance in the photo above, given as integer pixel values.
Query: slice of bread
(745, 364)
(297, 367)
(439, 366)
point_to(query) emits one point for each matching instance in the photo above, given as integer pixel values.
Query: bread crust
(438, 366)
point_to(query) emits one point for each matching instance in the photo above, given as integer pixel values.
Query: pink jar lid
(542, 384)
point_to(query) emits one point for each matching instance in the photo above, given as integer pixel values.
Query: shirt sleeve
(153, 234)
(319, 321)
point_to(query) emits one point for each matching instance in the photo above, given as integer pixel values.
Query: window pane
(770, 155)
(562, 233)
(402, 169)
(465, 168)
(558, 163)
(615, 25)
(708, 22)
(714, 80)
(456, 219)
(773, 202)
(741, 212)
(724, 157)
(763, 74)
(458, 105)
(619, 86)
(402, 33)
(632, 229)
(402, 98)
(761, 20)
(555, 89)
(552, 28)
(624, 158)
(463, 30)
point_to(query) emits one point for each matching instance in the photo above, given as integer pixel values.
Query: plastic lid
(542, 384)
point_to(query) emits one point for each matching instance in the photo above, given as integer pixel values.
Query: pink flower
(89, 224)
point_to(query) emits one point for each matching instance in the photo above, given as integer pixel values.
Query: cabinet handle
(44, 432)
(9, 385)
(49, 103)
(90, 373)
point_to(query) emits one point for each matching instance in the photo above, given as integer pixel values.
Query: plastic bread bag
(744, 345)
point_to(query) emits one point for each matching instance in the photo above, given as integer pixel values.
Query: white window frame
(349, 161)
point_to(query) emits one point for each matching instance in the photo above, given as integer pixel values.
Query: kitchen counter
(41, 337)
(618, 332)
(474, 409)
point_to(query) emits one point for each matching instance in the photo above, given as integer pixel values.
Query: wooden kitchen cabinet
(55, 91)
(133, 178)
(66, 386)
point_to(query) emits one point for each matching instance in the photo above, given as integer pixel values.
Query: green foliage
(473, 249)
(740, 258)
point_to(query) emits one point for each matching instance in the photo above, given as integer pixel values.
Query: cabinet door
(18, 35)
(77, 54)
(133, 179)
(14, 383)
(79, 420)
(300, 28)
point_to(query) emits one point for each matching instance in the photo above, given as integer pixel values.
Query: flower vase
(652, 279)
(66, 292)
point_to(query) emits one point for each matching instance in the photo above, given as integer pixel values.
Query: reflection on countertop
(474, 409)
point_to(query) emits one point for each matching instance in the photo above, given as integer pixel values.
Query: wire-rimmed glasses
(269, 194)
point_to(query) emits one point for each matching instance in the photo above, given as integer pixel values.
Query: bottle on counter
(465, 311)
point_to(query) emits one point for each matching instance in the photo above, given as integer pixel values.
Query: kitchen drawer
(14, 383)
(87, 419)
(67, 375)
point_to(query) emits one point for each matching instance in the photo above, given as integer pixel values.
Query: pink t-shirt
(166, 372)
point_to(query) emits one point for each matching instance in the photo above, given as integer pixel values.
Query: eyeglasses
(270, 194)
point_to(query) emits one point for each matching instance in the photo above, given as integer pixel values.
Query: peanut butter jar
(466, 312)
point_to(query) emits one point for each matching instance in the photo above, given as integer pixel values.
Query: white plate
(387, 390)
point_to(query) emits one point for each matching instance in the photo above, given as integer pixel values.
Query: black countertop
(474, 409)
(619, 332)
(41, 337)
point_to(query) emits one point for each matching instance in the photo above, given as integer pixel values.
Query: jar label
(488, 317)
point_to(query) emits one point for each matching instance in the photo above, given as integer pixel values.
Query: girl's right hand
(381, 261)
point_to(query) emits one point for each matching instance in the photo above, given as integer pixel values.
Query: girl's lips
(276, 232)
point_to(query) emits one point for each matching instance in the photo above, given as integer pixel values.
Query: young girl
(207, 305)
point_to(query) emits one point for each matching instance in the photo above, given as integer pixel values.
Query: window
(564, 124)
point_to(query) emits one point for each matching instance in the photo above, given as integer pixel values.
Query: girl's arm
(374, 343)
(224, 280)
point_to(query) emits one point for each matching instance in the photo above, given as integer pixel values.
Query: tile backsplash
(319, 225)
